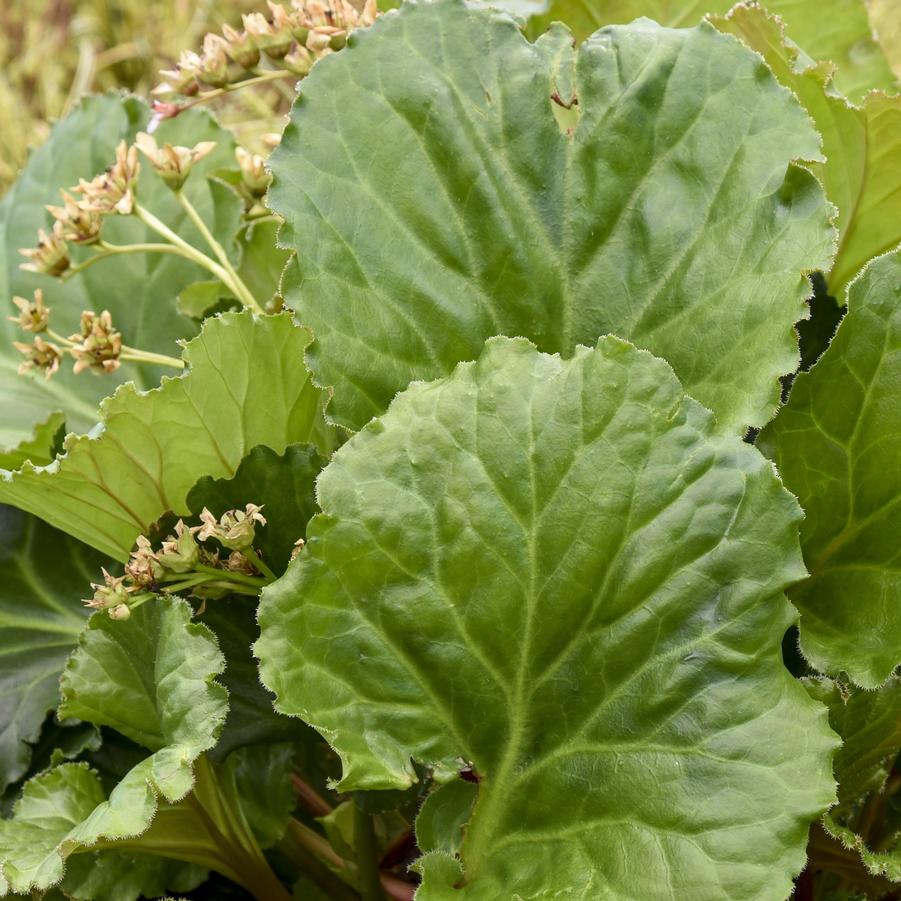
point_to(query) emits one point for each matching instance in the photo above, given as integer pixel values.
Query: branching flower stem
(257, 561)
(242, 291)
(256, 582)
(103, 250)
(262, 77)
(133, 354)
(227, 276)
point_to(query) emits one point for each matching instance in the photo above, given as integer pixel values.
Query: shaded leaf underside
(246, 385)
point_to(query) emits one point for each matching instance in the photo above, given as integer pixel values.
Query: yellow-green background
(51, 51)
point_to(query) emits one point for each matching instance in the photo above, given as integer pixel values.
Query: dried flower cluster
(79, 221)
(183, 563)
(291, 39)
(97, 346)
(173, 163)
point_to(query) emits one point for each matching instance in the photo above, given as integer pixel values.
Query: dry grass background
(52, 51)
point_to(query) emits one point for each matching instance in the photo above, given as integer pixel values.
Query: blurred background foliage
(53, 51)
(885, 16)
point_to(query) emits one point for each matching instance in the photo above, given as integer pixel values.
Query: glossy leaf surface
(555, 573)
(437, 195)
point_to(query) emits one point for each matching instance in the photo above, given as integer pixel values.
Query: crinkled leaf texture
(43, 575)
(445, 204)
(837, 31)
(869, 723)
(861, 145)
(150, 678)
(836, 445)
(246, 385)
(555, 571)
(139, 290)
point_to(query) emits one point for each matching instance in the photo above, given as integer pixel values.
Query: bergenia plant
(494, 494)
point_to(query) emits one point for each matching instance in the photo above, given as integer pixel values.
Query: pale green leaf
(836, 445)
(434, 201)
(556, 573)
(861, 145)
(43, 576)
(443, 817)
(120, 876)
(151, 678)
(40, 448)
(199, 298)
(246, 385)
(262, 260)
(837, 31)
(139, 290)
(887, 25)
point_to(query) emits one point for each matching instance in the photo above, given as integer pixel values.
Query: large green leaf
(837, 31)
(151, 678)
(861, 145)
(434, 201)
(246, 385)
(554, 572)
(43, 576)
(836, 445)
(139, 290)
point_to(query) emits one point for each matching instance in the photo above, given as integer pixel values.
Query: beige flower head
(33, 315)
(253, 172)
(172, 163)
(98, 346)
(143, 568)
(113, 191)
(241, 47)
(213, 66)
(182, 79)
(79, 222)
(235, 529)
(299, 61)
(110, 594)
(51, 256)
(41, 355)
(179, 552)
(274, 37)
